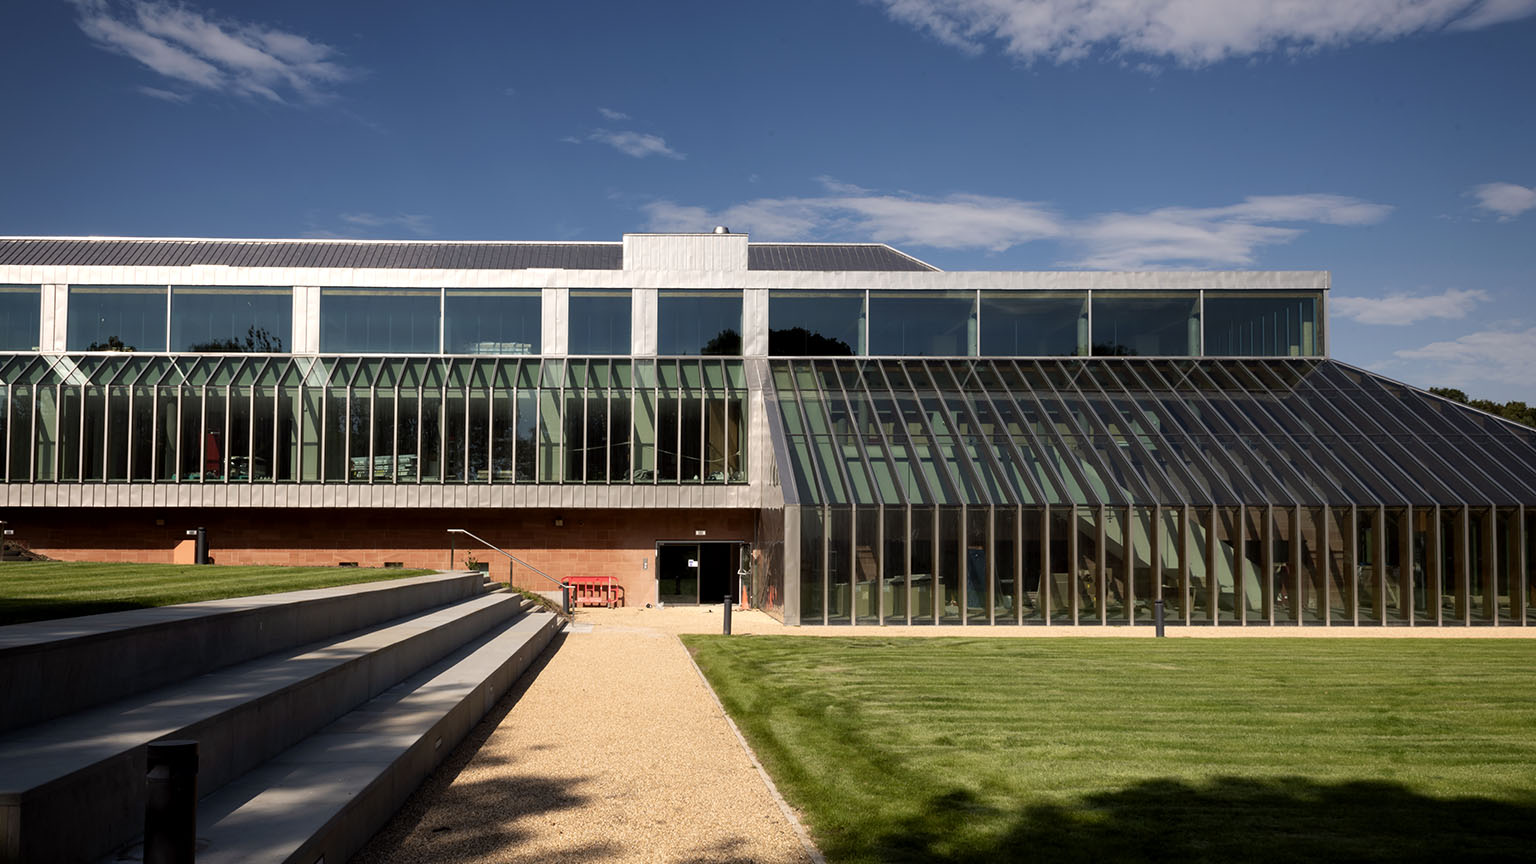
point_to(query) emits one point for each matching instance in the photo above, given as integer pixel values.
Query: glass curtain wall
(20, 317)
(922, 323)
(380, 320)
(496, 321)
(117, 318)
(1034, 324)
(1237, 492)
(816, 323)
(600, 322)
(1146, 324)
(396, 420)
(231, 320)
(691, 323)
(1248, 324)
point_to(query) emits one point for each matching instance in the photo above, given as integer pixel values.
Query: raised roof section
(832, 257)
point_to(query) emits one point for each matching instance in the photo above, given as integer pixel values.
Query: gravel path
(610, 749)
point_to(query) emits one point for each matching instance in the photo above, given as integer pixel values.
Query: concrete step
(52, 668)
(324, 798)
(88, 768)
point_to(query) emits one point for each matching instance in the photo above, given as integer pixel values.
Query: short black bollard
(1158, 612)
(202, 545)
(727, 614)
(170, 803)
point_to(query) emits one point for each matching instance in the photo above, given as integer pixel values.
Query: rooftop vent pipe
(721, 229)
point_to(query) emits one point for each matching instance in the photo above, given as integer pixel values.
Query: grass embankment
(1129, 750)
(36, 591)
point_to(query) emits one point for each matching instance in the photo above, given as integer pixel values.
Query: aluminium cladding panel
(711, 252)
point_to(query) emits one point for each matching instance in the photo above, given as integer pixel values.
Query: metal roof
(1117, 432)
(831, 257)
(165, 252)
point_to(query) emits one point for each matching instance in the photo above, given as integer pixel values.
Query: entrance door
(697, 572)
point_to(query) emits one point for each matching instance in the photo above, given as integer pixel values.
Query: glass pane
(599, 322)
(815, 323)
(1029, 519)
(894, 586)
(1262, 325)
(697, 322)
(978, 570)
(20, 317)
(127, 318)
(1033, 324)
(1146, 324)
(924, 557)
(501, 321)
(1005, 596)
(866, 570)
(1086, 577)
(928, 324)
(839, 565)
(1060, 587)
(249, 320)
(812, 600)
(379, 320)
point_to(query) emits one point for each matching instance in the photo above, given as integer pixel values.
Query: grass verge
(36, 591)
(1129, 750)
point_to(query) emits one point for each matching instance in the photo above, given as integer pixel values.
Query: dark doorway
(697, 572)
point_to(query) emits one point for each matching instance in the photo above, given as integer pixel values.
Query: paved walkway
(610, 749)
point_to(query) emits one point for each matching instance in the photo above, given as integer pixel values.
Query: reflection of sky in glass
(821, 324)
(691, 322)
(20, 311)
(231, 319)
(929, 326)
(1030, 326)
(492, 322)
(1261, 326)
(599, 322)
(1143, 326)
(116, 318)
(401, 320)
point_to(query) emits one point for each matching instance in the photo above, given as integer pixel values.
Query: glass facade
(691, 323)
(816, 323)
(1146, 324)
(380, 320)
(922, 323)
(1259, 492)
(117, 318)
(497, 321)
(251, 320)
(1249, 324)
(600, 322)
(398, 420)
(20, 317)
(1035, 324)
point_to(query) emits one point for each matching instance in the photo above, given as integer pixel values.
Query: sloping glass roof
(1119, 431)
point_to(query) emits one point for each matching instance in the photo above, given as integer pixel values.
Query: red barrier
(596, 591)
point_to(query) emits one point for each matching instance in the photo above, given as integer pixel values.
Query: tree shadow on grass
(1288, 819)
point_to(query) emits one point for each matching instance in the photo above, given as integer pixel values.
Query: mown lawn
(1272, 750)
(36, 591)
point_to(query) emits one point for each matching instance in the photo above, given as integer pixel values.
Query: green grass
(1272, 750)
(36, 591)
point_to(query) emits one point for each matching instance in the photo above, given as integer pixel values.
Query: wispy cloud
(417, 224)
(1506, 200)
(1188, 32)
(1498, 356)
(195, 51)
(611, 114)
(164, 95)
(1402, 309)
(1171, 236)
(636, 144)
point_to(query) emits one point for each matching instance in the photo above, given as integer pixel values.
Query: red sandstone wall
(618, 543)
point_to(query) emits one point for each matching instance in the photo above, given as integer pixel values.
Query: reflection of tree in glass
(1113, 349)
(726, 342)
(112, 344)
(258, 340)
(798, 341)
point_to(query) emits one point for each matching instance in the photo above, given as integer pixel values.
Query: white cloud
(1188, 32)
(1507, 200)
(1171, 236)
(412, 223)
(636, 144)
(1402, 309)
(611, 114)
(1500, 356)
(164, 95)
(226, 56)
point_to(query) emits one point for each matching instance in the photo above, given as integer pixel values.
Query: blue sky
(1392, 142)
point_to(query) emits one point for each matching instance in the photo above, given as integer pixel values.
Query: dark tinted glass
(599, 322)
(1033, 325)
(928, 325)
(231, 319)
(1147, 325)
(19, 317)
(698, 322)
(393, 320)
(1262, 325)
(127, 318)
(815, 323)
(491, 322)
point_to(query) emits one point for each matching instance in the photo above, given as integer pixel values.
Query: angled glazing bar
(924, 434)
(1189, 424)
(1002, 492)
(1037, 424)
(1363, 444)
(1224, 397)
(1065, 406)
(1193, 487)
(866, 397)
(978, 489)
(1043, 490)
(1266, 468)
(1104, 418)
(903, 434)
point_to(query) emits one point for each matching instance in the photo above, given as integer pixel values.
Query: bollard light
(1157, 608)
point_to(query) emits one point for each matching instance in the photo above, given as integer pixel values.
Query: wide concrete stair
(315, 714)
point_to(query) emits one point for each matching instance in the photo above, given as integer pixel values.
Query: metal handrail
(514, 558)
